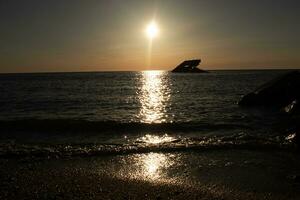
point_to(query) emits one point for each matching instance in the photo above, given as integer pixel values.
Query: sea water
(118, 112)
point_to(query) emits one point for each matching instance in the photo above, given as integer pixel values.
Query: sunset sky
(109, 35)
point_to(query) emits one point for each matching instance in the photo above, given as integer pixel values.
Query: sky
(109, 35)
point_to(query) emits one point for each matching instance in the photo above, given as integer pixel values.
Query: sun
(152, 30)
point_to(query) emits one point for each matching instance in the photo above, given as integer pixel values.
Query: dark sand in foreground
(230, 174)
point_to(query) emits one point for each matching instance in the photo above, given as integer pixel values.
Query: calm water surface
(132, 108)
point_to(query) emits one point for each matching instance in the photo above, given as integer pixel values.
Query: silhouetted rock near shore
(293, 108)
(281, 92)
(297, 138)
(189, 66)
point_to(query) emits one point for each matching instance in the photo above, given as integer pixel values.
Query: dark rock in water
(297, 138)
(189, 66)
(281, 91)
(293, 108)
(296, 178)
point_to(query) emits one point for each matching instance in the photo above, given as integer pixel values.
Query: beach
(230, 174)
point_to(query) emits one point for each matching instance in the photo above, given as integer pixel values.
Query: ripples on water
(154, 96)
(148, 96)
(150, 107)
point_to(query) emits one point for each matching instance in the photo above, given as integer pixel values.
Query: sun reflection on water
(155, 139)
(154, 97)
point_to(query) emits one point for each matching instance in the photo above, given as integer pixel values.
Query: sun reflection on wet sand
(154, 97)
(153, 166)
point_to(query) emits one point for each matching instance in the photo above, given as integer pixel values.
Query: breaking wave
(234, 142)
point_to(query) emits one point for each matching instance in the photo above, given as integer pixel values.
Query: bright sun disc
(152, 30)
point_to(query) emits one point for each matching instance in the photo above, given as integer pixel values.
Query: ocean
(95, 113)
(150, 134)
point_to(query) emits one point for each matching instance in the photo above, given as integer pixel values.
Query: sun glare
(152, 30)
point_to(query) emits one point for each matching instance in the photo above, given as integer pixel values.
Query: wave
(75, 125)
(234, 142)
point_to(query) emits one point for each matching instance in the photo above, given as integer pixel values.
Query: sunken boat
(189, 66)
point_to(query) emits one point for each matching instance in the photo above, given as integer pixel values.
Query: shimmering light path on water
(154, 96)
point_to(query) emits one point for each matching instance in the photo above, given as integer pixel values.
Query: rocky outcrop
(293, 108)
(297, 138)
(281, 92)
(189, 66)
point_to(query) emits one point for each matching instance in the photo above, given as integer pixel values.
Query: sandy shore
(192, 175)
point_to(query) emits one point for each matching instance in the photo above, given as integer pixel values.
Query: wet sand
(230, 174)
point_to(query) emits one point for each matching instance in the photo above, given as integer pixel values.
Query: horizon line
(120, 71)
